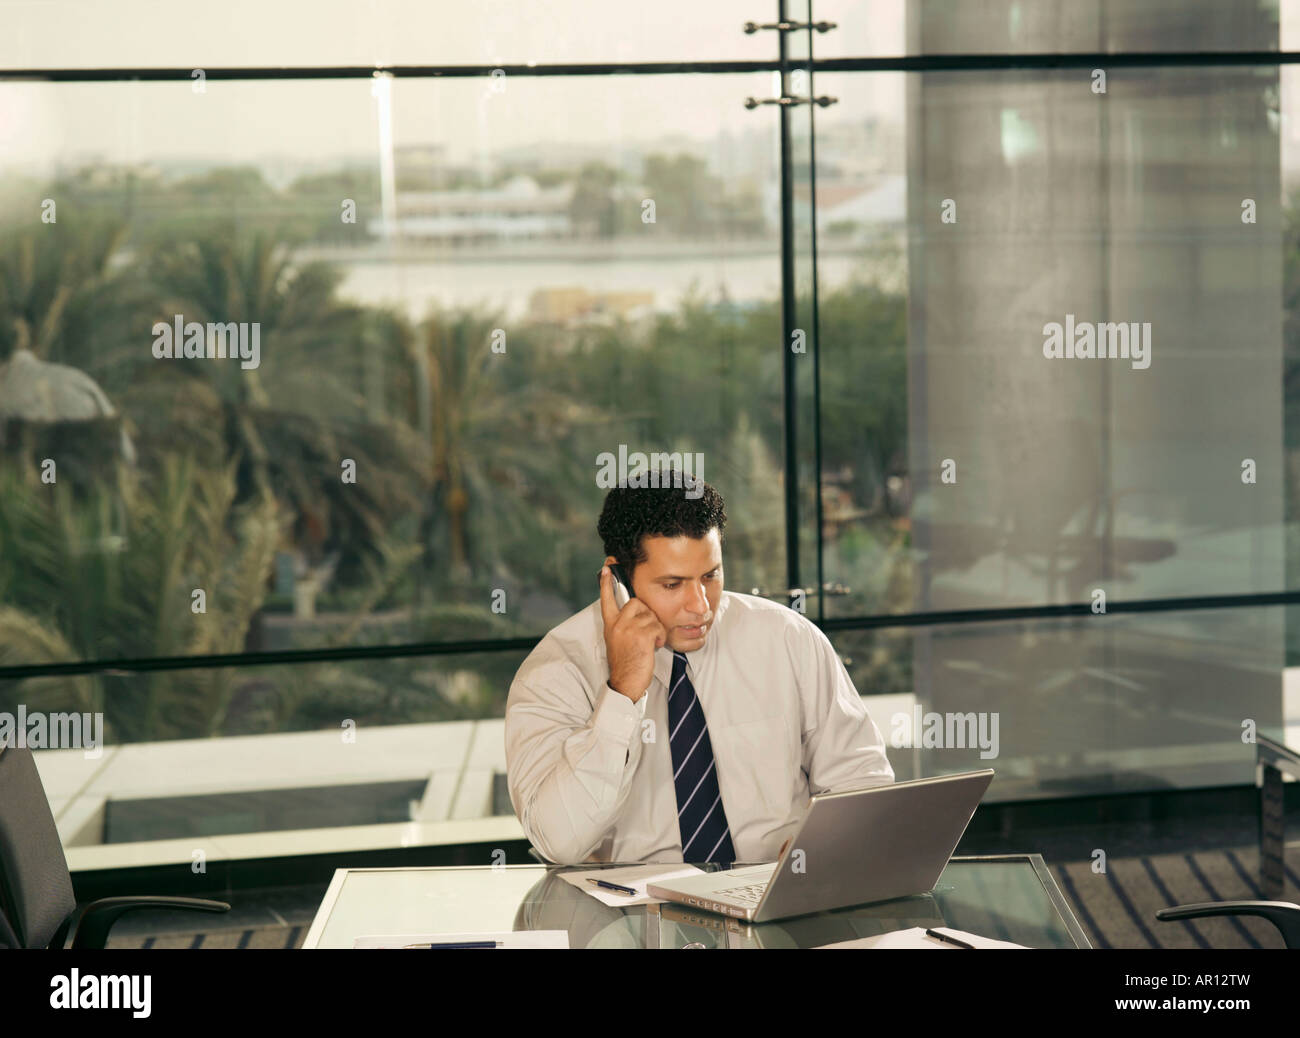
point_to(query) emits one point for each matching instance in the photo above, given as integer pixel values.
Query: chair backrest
(35, 887)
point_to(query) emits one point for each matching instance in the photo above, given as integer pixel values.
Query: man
(693, 723)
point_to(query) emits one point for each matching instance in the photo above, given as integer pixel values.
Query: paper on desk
(509, 939)
(916, 937)
(634, 876)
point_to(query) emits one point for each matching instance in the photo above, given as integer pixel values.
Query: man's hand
(631, 636)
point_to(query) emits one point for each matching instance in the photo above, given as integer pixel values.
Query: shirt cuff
(617, 715)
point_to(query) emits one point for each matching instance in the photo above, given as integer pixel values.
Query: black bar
(161, 74)
(1144, 605)
(341, 990)
(788, 370)
(899, 63)
(1088, 60)
(816, 343)
(452, 648)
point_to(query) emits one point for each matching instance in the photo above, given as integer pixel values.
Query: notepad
(916, 937)
(634, 876)
(508, 939)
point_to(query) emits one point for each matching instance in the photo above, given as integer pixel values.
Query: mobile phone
(622, 586)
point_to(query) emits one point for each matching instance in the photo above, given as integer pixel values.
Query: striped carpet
(251, 937)
(1116, 909)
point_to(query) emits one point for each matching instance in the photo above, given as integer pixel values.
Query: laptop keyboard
(750, 895)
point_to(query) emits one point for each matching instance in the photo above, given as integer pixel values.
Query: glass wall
(308, 368)
(1055, 374)
(1079, 705)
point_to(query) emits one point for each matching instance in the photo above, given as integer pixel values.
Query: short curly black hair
(633, 513)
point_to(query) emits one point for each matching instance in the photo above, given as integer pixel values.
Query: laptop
(850, 848)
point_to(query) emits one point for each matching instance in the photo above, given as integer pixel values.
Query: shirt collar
(664, 656)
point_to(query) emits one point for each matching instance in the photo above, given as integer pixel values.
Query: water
(506, 279)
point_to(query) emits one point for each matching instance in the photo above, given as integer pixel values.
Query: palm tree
(72, 591)
(499, 435)
(51, 279)
(293, 420)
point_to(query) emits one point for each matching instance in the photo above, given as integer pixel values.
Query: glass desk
(1009, 897)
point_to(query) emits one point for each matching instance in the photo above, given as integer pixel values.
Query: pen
(457, 944)
(614, 886)
(949, 939)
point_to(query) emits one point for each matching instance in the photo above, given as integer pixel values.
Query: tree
(497, 430)
(293, 420)
(686, 197)
(592, 207)
(74, 587)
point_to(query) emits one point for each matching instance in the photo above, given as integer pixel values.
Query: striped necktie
(700, 815)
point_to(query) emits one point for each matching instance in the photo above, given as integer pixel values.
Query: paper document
(916, 937)
(634, 876)
(508, 939)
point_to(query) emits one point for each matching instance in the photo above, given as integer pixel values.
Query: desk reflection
(554, 904)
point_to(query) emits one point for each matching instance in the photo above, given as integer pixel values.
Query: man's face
(681, 581)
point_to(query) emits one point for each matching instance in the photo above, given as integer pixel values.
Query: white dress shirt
(591, 773)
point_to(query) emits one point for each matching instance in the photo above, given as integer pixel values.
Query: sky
(240, 121)
(79, 33)
(310, 121)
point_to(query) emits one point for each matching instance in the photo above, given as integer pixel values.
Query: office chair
(36, 900)
(1282, 914)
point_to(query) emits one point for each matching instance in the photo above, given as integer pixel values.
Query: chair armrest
(1282, 914)
(99, 916)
